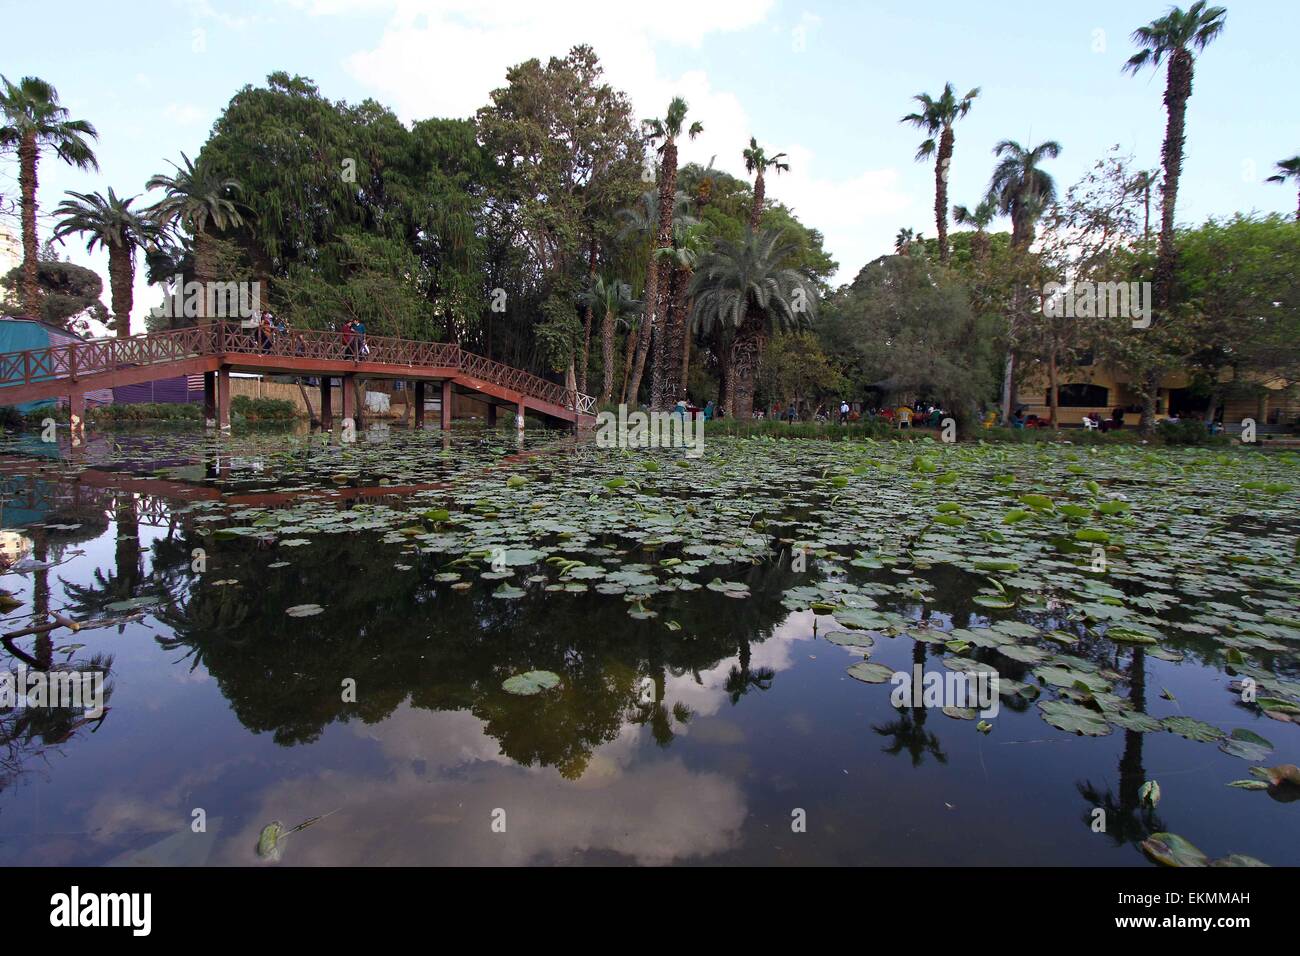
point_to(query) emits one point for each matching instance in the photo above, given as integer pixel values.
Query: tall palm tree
(906, 240)
(937, 117)
(639, 226)
(1022, 190)
(197, 200)
(757, 162)
(679, 265)
(1172, 37)
(109, 222)
(611, 299)
(980, 218)
(32, 120)
(665, 132)
(1288, 169)
(746, 289)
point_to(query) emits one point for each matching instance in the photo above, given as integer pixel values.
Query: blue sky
(823, 81)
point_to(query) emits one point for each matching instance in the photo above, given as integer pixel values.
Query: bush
(1188, 433)
(109, 415)
(263, 409)
(830, 431)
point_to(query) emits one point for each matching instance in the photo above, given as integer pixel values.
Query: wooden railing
(83, 359)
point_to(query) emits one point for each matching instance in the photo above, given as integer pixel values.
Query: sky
(825, 82)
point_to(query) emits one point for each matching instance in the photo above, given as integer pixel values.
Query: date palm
(980, 218)
(746, 289)
(758, 162)
(679, 267)
(199, 201)
(1288, 169)
(111, 223)
(665, 132)
(610, 299)
(937, 117)
(1020, 188)
(1142, 183)
(31, 120)
(1174, 38)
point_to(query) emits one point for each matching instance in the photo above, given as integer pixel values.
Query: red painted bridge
(218, 349)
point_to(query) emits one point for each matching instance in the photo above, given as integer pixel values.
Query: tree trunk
(1008, 372)
(1053, 385)
(586, 335)
(203, 272)
(756, 210)
(121, 277)
(724, 377)
(632, 337)
(644, 343)
(943, 159)
(1178, 88)
(31, 287)
(607, 357)
(746, 356)
(684, 310)
(654, 338)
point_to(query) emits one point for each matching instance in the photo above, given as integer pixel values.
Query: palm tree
(612, 299)
(757, 162)
(679, 265)
(196, 199)
(639, 225)
(906, 240)
(980, 217)
(111, 223)
(937, 117)
(33, 120)
(664, 131)
(1021, 190)
(1288, 169)
(745, 289)
(1173, 37)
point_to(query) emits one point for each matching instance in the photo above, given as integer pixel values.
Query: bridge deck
(217, 349)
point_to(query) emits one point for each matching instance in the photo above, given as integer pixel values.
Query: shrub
(264, 409)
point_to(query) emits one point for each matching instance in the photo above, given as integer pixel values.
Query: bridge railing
(81, 359)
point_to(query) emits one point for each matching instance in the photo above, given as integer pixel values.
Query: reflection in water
(660, 744)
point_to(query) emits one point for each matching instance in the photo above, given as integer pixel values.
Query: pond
(478, 649)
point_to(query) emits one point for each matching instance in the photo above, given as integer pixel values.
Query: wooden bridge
(220, 348)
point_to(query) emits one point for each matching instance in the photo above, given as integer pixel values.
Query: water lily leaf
(1074, 718)
(1246, 745)
(530, 682)
(871, 673)
(1169, 849)
(1193, 729)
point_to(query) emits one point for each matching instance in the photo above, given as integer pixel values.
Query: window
(1080, 395)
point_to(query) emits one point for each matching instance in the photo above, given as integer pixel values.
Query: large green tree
(32, 120)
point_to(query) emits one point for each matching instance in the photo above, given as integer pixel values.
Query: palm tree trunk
(746, 355)
(586, 334)
(684, 311)
(607, 357)
(656, 307)
(1178, 88)
(632, 336)
(203, 272)
(1053, 384)
(31, 296)
(121, 277)
(943, 159)
(760, 191)
(644, 339)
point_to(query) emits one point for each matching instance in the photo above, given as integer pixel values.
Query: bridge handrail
(79, 359)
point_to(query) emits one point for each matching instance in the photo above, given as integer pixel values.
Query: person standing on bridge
(347, 337)
(359, 327)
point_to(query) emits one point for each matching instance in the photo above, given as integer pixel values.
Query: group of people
(352, 332)
(354, 339)
(268, 327)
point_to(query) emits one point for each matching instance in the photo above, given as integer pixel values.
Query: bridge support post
(519, 415)
(419, 403)
(209, 399)
(77, 416)
(446, 404)
(492, 414)
(349, 408)
(326, 398)
(223, 399)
